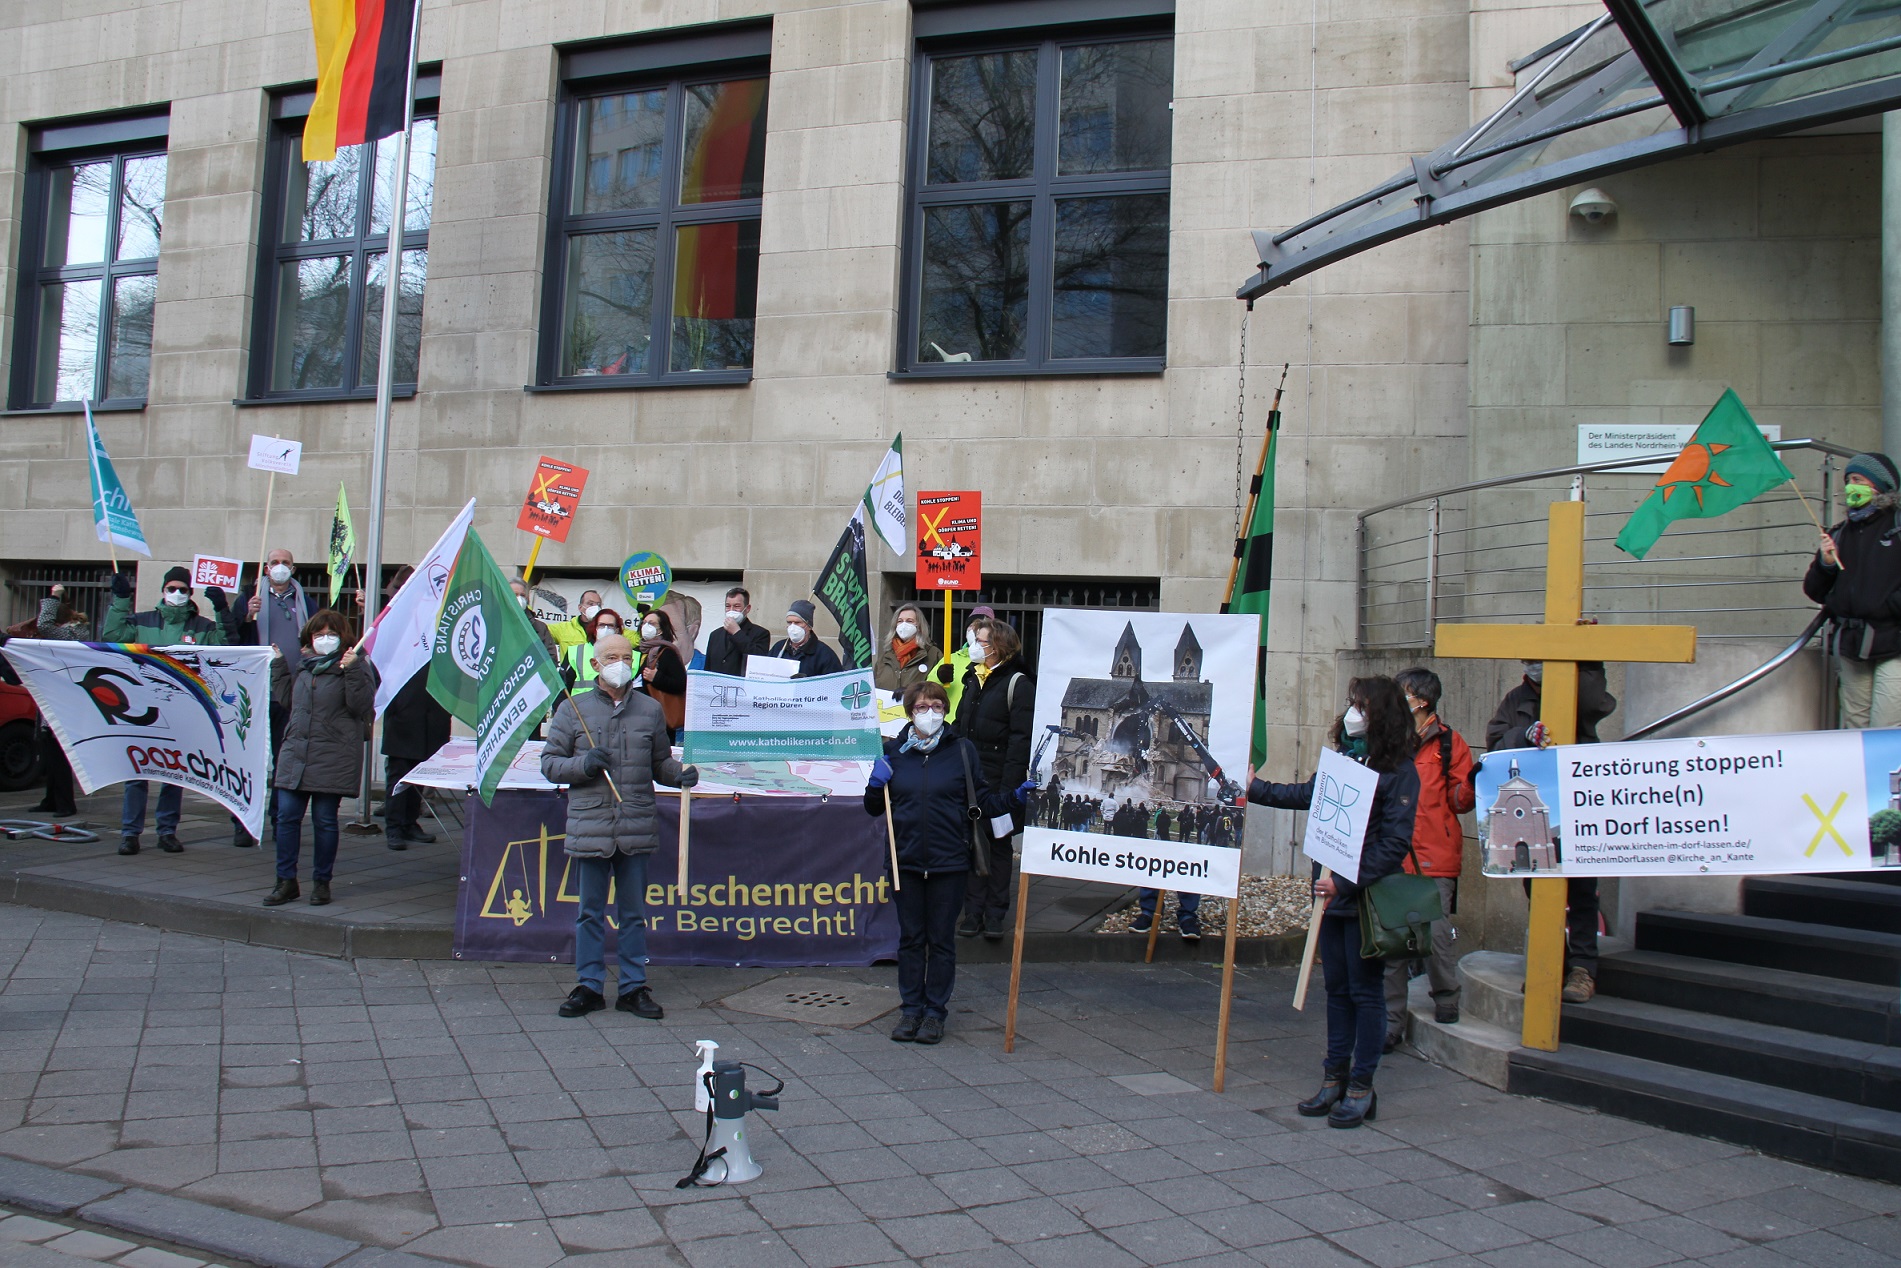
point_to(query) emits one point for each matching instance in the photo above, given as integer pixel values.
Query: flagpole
(1254, 492)
(386, 376)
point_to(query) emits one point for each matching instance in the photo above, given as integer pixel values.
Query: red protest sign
(548, 510)
(950, 541)
(211, 570)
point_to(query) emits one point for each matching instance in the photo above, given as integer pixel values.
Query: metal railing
(1475, 552)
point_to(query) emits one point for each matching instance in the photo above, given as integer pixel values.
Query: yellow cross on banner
(1828, 824)
(931, 534)
(1561, 642)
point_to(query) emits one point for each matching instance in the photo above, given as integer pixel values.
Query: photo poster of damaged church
(1140, 747)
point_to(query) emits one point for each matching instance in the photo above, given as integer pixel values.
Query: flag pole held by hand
(582, 719)
(1313, 944)
(891, 835)
(686, 819)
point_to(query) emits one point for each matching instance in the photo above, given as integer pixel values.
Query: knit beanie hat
(1878, 469)
(802, 609)
(182, 575)
(982, 609)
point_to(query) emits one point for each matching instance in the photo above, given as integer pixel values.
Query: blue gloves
(880, 774)
(1023, 791)
(596, 761)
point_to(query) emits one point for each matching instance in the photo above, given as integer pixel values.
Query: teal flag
(112, 513)
(487, 666)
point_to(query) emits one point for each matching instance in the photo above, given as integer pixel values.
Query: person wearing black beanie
(1856, 577)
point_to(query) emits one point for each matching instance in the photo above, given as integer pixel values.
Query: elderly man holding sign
(1366, 837)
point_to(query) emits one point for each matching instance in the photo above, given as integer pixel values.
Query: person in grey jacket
(609, 745)
(328, 702)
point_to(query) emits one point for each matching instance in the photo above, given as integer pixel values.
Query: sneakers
(168, 842)
(1143, 922)
(993, 928)
(581, 1001)
(1191, 928)
(930, 1030)
(970, 926)
(320, 893)
(395, 842)
(1579, 986)
(128, 845)
(640, 1002)
(281, 893)
(416, 832)
(906, 1029)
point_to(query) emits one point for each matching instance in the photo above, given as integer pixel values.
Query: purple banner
(776, 881)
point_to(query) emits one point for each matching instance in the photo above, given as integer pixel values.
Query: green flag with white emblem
(487, 667)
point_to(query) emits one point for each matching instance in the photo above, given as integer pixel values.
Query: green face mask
(1857, 495)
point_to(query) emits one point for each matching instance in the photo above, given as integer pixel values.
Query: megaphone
(726, 1156)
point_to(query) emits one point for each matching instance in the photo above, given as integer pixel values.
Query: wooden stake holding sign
(1561, 642)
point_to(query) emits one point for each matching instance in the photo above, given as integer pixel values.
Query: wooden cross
(1561, 642)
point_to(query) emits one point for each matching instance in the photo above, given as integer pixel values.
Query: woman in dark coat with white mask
(329, 700)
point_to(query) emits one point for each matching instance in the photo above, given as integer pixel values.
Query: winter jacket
(951, 675)
(330, 707)
(48, 625)
(894, 677)
(566, 634)
(1863, 596)
(1445, 792)
(814, 657)
(414, 725)
(278, 620)
(1519, 709)
(163, 626)
(1389, 832)
(669, 673)
(634, 732)
(1000, 720)
(927, 794)
(726, 653)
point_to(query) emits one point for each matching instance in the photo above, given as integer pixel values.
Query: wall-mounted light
(1682, 326)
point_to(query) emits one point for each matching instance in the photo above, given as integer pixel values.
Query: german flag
(362, 72)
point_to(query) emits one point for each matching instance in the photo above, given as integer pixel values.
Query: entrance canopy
(1641, 83)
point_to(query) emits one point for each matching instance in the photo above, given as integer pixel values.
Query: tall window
(89, 268)
(1038, 238)
(325, 266)
(653, 269)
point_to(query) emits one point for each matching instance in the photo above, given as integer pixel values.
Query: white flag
(400, 642)
(884, 500)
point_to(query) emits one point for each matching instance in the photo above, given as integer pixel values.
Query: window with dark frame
(653, 250)
(324, 263)
(1037, 239)
(94, 212)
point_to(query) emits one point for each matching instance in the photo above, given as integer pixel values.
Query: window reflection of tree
(611, 302)
(1111, 276)
(1114, 112)
(320, 304)
(142, 207)
(983, 117)
(977, 279)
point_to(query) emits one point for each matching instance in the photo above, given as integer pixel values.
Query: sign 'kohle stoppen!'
(950, 541)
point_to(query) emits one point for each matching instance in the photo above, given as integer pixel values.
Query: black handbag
(1396, 915)
(979, 833)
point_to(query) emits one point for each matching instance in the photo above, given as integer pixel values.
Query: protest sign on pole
(949, 546)
(744, 719)
(554, 493)
(277, 456)
(197, 717)
(1336, 834)
(1813, 801)
(1139, 720)
(215, 570)
(645, 578)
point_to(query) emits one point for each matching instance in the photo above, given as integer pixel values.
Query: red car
(19, 739)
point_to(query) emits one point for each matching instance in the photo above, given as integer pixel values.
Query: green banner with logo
(831, 718)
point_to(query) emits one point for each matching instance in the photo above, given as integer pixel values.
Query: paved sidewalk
(30, 1241)
(443, 1108)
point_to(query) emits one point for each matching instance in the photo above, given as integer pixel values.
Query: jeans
(628, 872)
(1356, 1001)
(989, 896)
(1442, 966)
(1188, 904)
(401, 807)
(288, 814)
(171, 799)
(928, 904)
(1870, 692)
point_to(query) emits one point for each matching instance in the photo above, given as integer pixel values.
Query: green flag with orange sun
(1726, 463)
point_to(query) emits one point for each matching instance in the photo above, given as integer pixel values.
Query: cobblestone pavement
(444, 1108)
(28, 1241)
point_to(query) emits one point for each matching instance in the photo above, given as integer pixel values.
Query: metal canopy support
(1649, 46)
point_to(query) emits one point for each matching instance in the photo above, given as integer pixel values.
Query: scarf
(321, 664)
(1354, 746)
(915, 742)
(905, 651)
(983, 672)
(651, 647)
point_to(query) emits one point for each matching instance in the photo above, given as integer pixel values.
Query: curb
(317, 935)
(183, 1222)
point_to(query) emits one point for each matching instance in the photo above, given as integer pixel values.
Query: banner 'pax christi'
(198, 717)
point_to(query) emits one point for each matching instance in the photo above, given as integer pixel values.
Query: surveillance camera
(1593, 206)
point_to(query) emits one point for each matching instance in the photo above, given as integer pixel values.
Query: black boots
(282, 892)
(1329, 1094)
(1360, 1104)
(320, 893)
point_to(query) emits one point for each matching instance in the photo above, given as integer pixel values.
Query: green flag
(1255, 549)
(1726, 463)
(342, 544)
(487, 667)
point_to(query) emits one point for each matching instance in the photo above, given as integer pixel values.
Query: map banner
(784, 881)
(1813, 801)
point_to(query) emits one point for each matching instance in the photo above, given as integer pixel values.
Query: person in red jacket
(1445, 792)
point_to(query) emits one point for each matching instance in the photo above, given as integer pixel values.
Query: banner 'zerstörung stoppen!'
(1816, 801)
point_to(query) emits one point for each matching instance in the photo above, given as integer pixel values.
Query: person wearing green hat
(1856, 577)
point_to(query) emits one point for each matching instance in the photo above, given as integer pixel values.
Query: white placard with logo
(213, 570)
(1600, 442)
(729, 719)
(1336, 819)
(271, 453)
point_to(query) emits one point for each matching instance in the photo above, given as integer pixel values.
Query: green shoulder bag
(1396, 915)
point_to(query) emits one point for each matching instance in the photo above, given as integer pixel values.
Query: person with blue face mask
(1856, 577)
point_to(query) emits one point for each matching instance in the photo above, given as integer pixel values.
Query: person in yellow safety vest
(577, 664)
(573, 632)
(951, 672)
